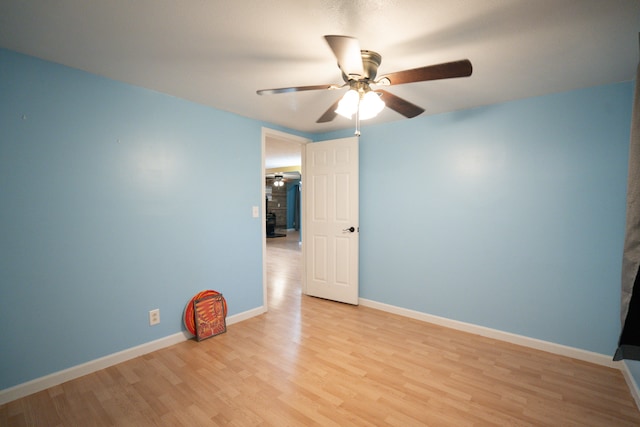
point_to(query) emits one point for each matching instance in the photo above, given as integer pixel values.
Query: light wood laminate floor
(314, 362)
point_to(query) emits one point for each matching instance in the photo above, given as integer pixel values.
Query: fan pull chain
(358, 120)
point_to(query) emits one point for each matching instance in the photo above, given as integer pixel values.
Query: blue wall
(509, 216)
(111, 207)
(292, 189)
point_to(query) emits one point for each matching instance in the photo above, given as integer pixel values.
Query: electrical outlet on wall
(154, 317)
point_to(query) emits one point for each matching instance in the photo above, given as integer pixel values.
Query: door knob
(350, 229)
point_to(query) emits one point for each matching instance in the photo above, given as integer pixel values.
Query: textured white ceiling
(219, 53)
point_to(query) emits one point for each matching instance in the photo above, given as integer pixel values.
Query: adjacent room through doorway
(282, 243)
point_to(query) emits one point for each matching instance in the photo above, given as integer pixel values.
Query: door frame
(294, 139)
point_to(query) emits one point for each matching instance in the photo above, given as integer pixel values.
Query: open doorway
(282, 178)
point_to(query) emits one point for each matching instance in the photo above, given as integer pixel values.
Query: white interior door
(331, 233)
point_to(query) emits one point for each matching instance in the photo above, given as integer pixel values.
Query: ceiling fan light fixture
(367, 106)
(359, 70)
(371, 105)
(348, 105)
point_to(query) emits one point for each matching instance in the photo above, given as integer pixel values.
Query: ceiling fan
(283, 175)
(359, 69)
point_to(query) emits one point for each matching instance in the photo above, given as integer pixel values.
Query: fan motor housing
(370, 62)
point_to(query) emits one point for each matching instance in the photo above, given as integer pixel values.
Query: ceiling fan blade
(347, 52)
(295, 89)
(330, 114)
(400, 105)
(447, 70)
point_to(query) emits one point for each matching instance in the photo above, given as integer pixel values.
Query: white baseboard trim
(631, 383)
(236, 318)
(562, 350)
(43, 383)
